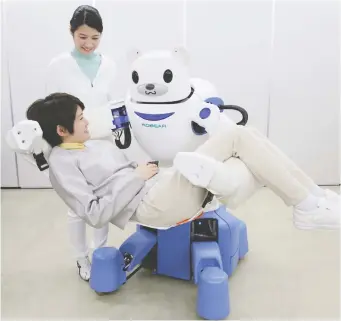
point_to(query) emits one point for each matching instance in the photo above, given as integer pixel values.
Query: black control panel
(204, 230)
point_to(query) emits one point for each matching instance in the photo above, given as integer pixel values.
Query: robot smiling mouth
(153, 117)
(163, 102)
(150, 92)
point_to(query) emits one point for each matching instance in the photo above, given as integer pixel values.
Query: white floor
(288, 273)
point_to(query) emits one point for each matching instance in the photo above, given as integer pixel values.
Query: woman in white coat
(89, 76)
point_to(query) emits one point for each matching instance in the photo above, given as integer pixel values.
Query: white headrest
(26, 137)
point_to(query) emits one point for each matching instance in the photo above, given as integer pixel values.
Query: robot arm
(207, 112)
(208, 115)
(111, 119)
(207, 118)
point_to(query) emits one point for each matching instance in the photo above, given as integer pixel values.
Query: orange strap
(190, 219)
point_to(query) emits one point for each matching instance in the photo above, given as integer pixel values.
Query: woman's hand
(146, 171)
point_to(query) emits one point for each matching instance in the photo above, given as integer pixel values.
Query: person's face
(80, 129)
(86, 39)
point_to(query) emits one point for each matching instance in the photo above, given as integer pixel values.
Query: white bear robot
(164, 104)
(170, 112)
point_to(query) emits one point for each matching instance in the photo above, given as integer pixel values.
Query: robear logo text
(155, 125)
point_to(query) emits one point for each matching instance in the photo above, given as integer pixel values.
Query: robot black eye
(168, 76)
(135, 77)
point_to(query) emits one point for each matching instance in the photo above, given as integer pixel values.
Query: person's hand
(146, 171)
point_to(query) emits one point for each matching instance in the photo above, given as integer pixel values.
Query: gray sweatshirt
(97, 183)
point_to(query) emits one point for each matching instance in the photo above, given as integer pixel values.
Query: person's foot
(326, 215)
(84, 268)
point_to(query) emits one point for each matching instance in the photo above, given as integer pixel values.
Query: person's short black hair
(56, 109)
(86, 15)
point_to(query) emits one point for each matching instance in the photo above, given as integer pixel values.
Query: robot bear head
(159, 76)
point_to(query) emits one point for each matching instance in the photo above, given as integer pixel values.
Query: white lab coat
(64, 75)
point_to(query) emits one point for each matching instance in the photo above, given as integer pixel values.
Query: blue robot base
(205, 251)
(173, 255)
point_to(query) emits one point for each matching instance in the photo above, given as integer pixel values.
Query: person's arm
(116, 90)
(51, 80)
(71, 185)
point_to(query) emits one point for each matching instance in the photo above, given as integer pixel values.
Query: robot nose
(150, 86)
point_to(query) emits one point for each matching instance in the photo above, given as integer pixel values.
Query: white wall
(230, 43)
(9, 175)
(139, 24)
(305, 86)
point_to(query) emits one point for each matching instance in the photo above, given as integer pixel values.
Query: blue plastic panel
(174, 252)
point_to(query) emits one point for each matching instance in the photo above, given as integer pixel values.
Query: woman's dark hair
(56, 109)
(86, 15)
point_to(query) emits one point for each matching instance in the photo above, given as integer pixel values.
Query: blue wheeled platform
(173, 255)
(205, 251)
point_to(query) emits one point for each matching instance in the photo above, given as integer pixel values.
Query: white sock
(309, 203)
(318, 191)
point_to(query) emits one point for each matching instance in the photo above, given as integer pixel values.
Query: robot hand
(26, 137)
(110, 119)
(210, 117)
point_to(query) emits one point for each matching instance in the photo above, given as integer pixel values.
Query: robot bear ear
(182, 53)
(133, 54)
